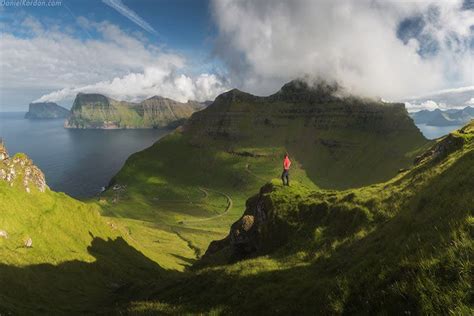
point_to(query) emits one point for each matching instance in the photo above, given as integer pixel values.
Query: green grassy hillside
(341, 141)
(183, 183)
(400, 247)
(58, 255)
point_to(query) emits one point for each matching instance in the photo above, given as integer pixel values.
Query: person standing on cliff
(286, 170)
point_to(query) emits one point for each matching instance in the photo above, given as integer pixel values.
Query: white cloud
(268, 42)
(116, 63)
(426, 105)
(153, 81)
(448, 98)
(470, 102)
(413, 106)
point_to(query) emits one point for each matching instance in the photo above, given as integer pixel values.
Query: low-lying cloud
(153, 81)
(268, 42)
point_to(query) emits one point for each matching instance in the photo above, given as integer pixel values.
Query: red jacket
(286, 163)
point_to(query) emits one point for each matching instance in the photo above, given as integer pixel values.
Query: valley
(199, 222)
(236, 157)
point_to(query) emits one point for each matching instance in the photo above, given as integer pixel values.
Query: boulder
(3, 234)
(29, 243)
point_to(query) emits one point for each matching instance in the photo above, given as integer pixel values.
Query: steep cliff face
(158, 111)
(46, 110)
(99, 111)
(237, 115)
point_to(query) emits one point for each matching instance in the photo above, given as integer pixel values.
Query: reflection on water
(78, 162)
(432, 132)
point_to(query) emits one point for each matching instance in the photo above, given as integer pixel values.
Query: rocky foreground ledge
(20, 171)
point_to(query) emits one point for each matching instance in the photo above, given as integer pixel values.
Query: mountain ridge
(305, 119)
(398, 247)
(46, 110)
(439, 117)
(93, 110)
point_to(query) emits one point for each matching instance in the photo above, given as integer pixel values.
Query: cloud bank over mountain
(391, 49)
(397, 50)
(457, 98)
(153, 81)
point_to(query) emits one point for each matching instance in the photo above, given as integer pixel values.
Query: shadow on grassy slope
(78, 287)
(416, 262)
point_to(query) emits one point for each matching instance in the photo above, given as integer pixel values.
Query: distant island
(444, 118)
(97, 111)
(46, 110)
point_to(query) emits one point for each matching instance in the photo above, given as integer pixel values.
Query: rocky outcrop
(20, 171)
(100, 112)
(3, 151)
(444, 146)
(28, 243)
(46, 110)
(256, 232)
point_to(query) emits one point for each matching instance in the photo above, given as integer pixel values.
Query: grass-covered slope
(340, 140)
(400, 247)
(98, 111)
(182, 184)
(58, 255)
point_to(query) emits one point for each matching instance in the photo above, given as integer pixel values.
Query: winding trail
(247, 169)
(227, 209)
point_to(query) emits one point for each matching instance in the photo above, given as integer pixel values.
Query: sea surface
(77, 162)
(82, 162)
(432, 132)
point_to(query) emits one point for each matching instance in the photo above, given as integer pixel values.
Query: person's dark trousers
(285, 176)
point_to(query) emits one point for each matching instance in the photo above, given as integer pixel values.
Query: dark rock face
(46, 110)
(256, 232)
(302, 91)
(441, 150)
(89, 98)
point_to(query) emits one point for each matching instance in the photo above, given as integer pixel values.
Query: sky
(417, 51)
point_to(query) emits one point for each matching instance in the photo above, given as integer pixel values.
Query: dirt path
(247, 169)
(227, 209)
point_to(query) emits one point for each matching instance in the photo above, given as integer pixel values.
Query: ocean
(77, 162)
